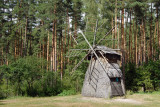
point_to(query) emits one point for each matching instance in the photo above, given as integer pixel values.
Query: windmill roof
(106, 50)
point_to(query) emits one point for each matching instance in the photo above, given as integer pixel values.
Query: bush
(131, 77)
(2, 94)
(145, 79)
(146, 76)
(26, 77)
(67, 92)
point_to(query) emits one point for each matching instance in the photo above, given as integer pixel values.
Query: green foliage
(67, 92)
(131, 77)
(146, 76)
(74, 80)
(154, 68)
(149, 92)
(26, 77)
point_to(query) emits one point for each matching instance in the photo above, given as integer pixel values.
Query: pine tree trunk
(141, 43)
(54, 44)
(30, 52)
(125, 42)
(144, 39)
(122, 30)
(135, 42)
(112, 34)
(115, 23)
(68, 33)
(55, 59)
(27, 47)
(40, 56)
(2, 55)
(133, 46)
(65, 42)
(70, 36)
(48, 52)
(130, 38)
(53, 50)
(18, 43)
(75, 28)
(154, 40)
(7, 51)
(61, 56)
(139, 51)
(19, 34)
(118, 37)
(25, 51)
(148, 50)
(15, 49)
(151, 38)
(21, 42)
(43, 48)
(158, 35)
(136, 51)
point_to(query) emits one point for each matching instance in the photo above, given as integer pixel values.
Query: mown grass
(134, 100)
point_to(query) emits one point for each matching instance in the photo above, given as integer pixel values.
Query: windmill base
(98, 84)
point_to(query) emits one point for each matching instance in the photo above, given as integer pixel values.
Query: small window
(115, 79)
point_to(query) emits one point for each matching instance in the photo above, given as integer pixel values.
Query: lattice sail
(73, 53)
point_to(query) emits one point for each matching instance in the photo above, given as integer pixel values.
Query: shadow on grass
(1, 102)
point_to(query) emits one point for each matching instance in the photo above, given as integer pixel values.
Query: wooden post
(123, 46)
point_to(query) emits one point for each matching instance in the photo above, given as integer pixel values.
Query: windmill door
(116, 87)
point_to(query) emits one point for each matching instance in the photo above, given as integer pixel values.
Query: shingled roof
(106, 50)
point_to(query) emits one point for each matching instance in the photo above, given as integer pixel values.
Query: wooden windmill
(103, 77)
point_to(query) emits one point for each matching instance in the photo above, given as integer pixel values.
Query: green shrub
(26, 77)
(131, 77)
(146, 76)
(67, 92)
(129, 92)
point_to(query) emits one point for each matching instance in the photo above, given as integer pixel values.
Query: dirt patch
(96, 100)
(73, 105)
(109, 101)
(131, 101)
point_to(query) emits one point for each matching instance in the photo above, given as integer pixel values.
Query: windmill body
(103, 77)
(101, 82)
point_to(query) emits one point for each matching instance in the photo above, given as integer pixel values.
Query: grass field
(135, 100)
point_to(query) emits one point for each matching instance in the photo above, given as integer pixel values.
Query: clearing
(135, 100)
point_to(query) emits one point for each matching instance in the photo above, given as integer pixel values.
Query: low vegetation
(25, 77)
(134, 100)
